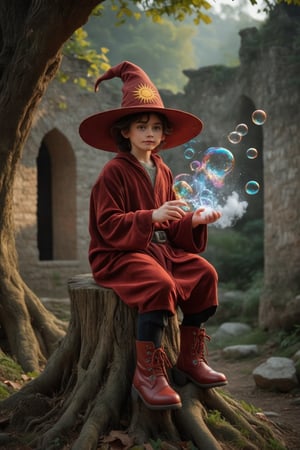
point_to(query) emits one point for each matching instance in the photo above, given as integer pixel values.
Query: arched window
(56, 208)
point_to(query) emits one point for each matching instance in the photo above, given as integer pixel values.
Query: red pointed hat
(139, 95)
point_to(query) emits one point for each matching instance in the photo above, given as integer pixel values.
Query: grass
(12, 376)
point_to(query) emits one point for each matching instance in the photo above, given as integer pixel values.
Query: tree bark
(31, 37)
(85, 390)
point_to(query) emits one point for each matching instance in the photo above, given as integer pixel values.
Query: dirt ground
(281, 408)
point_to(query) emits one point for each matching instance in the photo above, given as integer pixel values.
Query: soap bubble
(206, 198)
(234, 137)
(252, 153)
(217, 163)
(195, 166)
(183, 185)
(259, 117)
(203, 185)
(186, 188)
(189, 153)
(252, 187)
(242, 129)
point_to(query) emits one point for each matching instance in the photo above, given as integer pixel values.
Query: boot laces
(159, 362)
(200, 345)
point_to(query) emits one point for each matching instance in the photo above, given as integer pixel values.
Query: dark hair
(124, 123)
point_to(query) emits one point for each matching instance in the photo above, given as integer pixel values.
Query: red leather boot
(150, 379)
(191, 362)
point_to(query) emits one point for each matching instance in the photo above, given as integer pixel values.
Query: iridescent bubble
(182, 189)
(252, 153)
(252, 187)
(206, 198)
(183, 186)
(217, 163)
(195, 166)
(259, 117)
(234, 137)
(189, 153)
(242, 129)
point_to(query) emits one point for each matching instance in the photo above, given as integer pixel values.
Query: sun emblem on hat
(145, 93)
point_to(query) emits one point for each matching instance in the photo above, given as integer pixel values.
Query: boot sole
(182, 379)
(135, 394)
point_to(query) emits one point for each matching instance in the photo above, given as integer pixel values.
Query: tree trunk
(31, 37)
(84, 391)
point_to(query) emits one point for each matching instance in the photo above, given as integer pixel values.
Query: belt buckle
(160, 236)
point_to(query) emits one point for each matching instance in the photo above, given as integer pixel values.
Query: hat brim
(95, 130)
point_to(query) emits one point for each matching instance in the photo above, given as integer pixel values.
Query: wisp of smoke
(231, 211)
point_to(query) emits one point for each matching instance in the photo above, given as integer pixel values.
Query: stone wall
(57, 121)
(267, 78)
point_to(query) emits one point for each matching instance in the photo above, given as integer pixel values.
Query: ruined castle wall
(268, 78)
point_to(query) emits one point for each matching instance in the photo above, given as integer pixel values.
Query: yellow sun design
(145, 93)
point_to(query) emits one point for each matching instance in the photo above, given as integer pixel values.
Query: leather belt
(159, 237)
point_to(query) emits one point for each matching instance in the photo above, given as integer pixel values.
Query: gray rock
(231, 329)
(240, 351)
(276, 373)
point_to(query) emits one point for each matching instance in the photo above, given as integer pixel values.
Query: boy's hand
(205, 215)
(169, 211)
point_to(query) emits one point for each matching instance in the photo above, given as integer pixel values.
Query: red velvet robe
(145, 274)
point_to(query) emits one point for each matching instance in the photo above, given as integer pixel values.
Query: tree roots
(84, 391)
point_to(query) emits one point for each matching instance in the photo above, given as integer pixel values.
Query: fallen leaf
(13, 384)
(118, 440)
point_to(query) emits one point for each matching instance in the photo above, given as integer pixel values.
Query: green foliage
(12, 376)
(97, 62)
(252, 296)
(10, 371)
(164, 46)
(9, 368)
(288, 2)
(179, 9)
(163, 49)
(249, 408)
(289, 341)
(237, 254)
(214, 417)
(4, 392)
(275, 445)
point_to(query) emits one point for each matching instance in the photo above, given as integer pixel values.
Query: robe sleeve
(111, 224)
(183, 235)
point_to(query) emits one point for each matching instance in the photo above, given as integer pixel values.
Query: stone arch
(56, 212)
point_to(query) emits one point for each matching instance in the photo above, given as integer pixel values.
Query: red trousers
(162, 278)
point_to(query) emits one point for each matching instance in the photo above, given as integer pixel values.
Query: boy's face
(145, 134)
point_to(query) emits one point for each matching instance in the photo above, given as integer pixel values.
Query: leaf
(13, 384)
(118, 440)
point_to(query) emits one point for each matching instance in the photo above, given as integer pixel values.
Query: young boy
(144, 244)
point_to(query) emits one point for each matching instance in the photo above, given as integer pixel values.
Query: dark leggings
(150, 325)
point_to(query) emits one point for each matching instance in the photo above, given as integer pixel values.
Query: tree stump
(84, 392)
